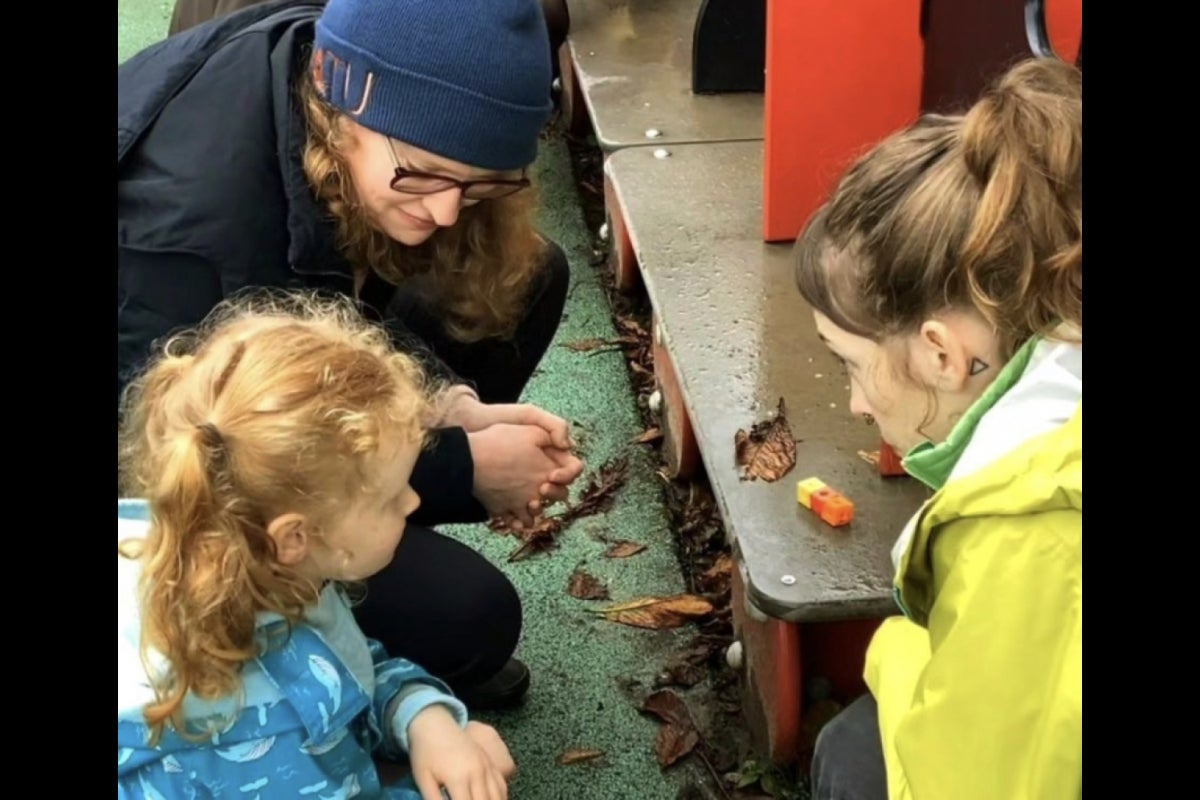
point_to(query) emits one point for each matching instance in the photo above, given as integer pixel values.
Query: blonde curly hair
(274, 404)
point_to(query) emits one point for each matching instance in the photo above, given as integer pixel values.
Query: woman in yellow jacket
(947, 273)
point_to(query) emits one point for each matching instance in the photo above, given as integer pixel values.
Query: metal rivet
(662, 153)
(788, 580)
(653, 133)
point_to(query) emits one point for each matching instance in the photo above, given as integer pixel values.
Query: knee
(493, 607)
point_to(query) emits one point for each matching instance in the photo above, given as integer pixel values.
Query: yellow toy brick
(805, 489)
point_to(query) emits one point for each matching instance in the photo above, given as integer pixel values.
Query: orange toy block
(832, 507)
(837, 511)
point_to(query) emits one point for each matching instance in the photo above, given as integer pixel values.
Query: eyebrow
(423, 165)
(834, 350)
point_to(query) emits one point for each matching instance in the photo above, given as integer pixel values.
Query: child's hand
(444, 755)
(490, 742)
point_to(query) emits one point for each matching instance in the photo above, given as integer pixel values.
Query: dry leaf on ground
(586, 587)
(715, 579)
(578, 755)
(657, 613)
(769, 450)
(584, 345)
(650, 435)
(678, 736)
(598, 495)
(623, 549)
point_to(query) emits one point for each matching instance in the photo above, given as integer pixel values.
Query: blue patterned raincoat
(314, 712)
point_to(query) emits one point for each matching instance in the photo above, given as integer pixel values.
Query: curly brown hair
(276, 403)
(478, 272)
(982, 210)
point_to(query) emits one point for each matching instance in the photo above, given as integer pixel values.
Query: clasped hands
(523, 456)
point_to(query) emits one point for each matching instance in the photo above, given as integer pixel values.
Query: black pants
(439, 603)
(848, 761)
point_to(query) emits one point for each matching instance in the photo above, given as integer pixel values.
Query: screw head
(662, 152)
(653, 133)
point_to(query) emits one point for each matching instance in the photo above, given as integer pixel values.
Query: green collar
(931, 463)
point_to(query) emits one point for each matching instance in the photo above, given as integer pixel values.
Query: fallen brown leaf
(584, 345)
(871, 457)
(623, 549)
(674, 742)
(537, 539)
(598, 495)
(633, 328)
(768, 451)
(657, 613)
(680, 673)
(586, 587)
(678, 736)
(576, 756)
(651, 435)
(715, 579)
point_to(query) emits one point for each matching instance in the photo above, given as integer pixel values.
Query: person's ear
(941, 356)
(290, 534)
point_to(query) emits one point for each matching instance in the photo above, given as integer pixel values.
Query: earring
(867, 418)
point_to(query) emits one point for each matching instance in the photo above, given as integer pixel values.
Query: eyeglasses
(411, 181)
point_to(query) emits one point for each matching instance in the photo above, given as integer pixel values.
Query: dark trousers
(848, 761)
(439, 603)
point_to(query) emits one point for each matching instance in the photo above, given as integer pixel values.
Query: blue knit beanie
(468, 80)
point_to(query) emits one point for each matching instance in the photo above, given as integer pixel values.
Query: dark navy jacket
(212, 200)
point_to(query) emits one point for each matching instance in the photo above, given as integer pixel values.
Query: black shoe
(505, 689)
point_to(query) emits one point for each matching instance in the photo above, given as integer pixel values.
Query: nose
(858, 403)
(444, 206)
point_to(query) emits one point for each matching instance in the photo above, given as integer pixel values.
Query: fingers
(552, 493)
(427, 785)
(557, 427)
(497, 785)
(522, 518)
(569, 468)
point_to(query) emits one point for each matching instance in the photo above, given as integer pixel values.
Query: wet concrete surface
(634, 62)
(741, 338)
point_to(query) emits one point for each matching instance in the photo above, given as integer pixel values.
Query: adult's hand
(467, 412)
(518, 464)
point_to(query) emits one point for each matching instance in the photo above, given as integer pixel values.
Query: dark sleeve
(158, 293)
(444, 478)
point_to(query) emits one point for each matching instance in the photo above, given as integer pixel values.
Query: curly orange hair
(273, 404)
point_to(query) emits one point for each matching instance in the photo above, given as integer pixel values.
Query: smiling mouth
(423, 224)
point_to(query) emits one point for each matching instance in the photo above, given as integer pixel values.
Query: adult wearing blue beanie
(377, 149)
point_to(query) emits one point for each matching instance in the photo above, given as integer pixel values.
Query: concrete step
(630, 61)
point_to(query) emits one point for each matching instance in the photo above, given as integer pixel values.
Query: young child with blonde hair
(270, 452)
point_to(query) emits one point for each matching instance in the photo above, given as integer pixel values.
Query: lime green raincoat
(980, 684)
